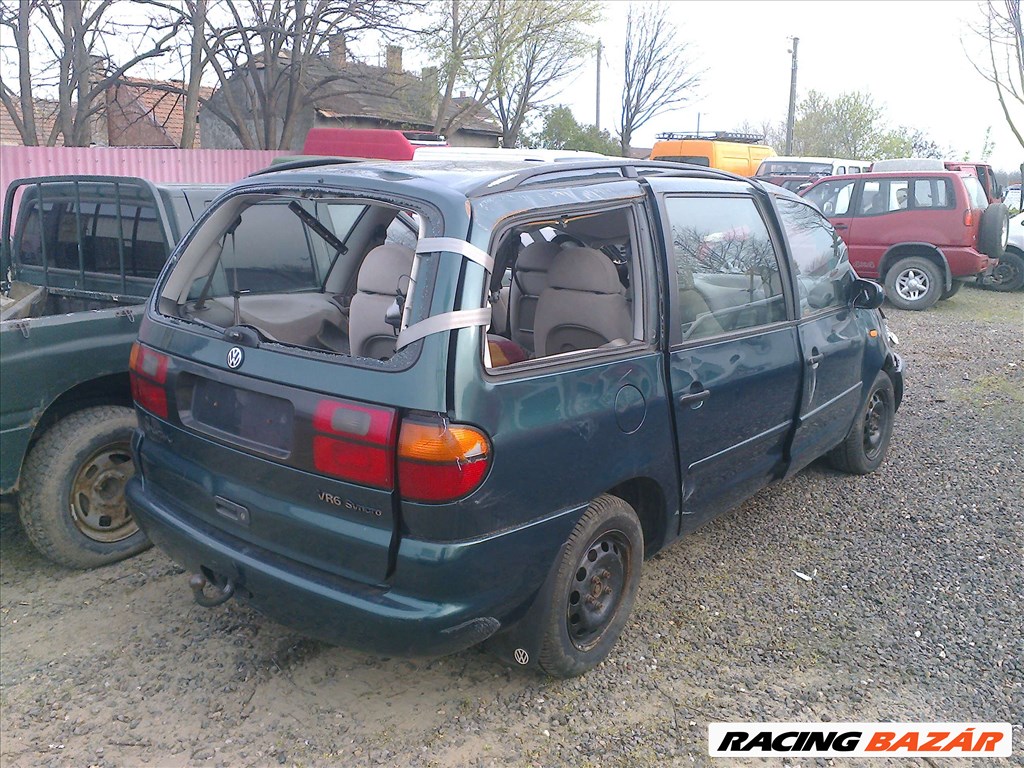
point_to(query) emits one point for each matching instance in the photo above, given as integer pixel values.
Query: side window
(897, 196)
(833, 197)
(726, 266)
(872, 199)
(932, 193)
(839, 170)
(820, 261)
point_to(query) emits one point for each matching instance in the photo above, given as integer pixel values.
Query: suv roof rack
(627, 169)
(742, 138)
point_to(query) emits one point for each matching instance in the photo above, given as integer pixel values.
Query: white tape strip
(449, 321)
(454, 245)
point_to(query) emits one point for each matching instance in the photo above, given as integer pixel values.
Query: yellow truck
(739, 153)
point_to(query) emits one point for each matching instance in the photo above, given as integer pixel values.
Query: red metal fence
(155, 164)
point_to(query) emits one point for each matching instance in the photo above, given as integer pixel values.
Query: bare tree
(1003, 67)
(264, 56)
(658, 72)
(74, 61)
(535, 44)
(456, 40)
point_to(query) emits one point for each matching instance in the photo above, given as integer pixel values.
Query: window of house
(822, 267)
(727, 269)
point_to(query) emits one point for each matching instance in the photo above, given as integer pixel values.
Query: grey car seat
(384, 270)
(584, 305)
(530, 278)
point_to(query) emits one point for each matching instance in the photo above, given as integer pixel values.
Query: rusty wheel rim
(600, 582)
(98, 506)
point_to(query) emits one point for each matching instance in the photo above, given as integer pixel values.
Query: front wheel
(594, 589)
(913, 283)
(864, 447)
(72, 503)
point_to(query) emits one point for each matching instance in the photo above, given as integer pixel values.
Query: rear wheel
(913, 283)
(72, 503)
(864, 447)
(1008, 274)
(954, 288)
(594, 589)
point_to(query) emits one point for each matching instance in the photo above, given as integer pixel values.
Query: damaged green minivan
(412, 407)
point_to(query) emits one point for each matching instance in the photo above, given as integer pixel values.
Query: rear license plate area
(251, 419)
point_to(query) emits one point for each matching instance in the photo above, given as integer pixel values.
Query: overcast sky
(907, 55)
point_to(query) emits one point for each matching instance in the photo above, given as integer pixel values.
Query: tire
(865, 446)
(72, 501)
(994, 232)
(954, 289)
(914, 283)
(605, 552)
(1008, 274)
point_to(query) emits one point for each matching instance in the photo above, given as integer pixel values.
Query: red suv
(921, 232)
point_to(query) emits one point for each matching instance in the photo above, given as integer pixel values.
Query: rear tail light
(148, 374)
(969, 217)
(440, 461)
(355, 443)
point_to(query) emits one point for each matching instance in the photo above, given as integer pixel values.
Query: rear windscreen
(325, 274)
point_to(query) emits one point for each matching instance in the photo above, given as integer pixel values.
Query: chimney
(431, 88)
(393, 57)
(337, 51)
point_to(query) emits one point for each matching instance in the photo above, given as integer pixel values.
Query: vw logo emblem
(521, 656)
(235, 357)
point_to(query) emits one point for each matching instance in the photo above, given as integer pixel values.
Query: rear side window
(832, 197)
(975, 192)
(820, 260)
(932, 193)
(727, 270)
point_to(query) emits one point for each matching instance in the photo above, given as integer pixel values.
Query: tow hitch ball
(218, 594)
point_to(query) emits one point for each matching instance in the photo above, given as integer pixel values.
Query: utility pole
(597, 106)
(792, 102)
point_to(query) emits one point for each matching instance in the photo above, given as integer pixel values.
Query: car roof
(472, 177)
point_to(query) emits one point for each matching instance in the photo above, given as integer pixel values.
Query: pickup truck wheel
(1008, 274)
(72, 501)
(953, 290)
(864, 447)
(594, 588)
(913, 283)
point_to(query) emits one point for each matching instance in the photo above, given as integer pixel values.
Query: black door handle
(695, 397)
(840, 226)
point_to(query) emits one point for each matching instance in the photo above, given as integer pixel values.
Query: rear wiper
(317, 226)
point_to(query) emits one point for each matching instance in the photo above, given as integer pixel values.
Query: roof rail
(308, 161)
(626, 168)
(742, 138)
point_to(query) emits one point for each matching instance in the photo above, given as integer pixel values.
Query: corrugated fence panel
(158, 165)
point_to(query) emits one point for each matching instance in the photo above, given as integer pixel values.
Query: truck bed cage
(741, 138)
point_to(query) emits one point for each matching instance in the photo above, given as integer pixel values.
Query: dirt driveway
(912, 612)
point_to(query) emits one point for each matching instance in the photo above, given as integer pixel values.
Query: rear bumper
(967, 262)
(491, 582)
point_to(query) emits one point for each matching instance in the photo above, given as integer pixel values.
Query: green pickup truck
(80, 256)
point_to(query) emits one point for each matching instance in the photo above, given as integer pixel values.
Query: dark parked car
(328, 429)
(922, 232)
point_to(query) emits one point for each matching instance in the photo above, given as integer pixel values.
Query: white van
(795, 172)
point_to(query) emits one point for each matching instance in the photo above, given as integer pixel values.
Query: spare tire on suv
(994, 231)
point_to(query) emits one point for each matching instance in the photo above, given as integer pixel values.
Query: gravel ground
(913, 613)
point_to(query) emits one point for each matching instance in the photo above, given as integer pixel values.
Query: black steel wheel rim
(875, 423)
(600, 581)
